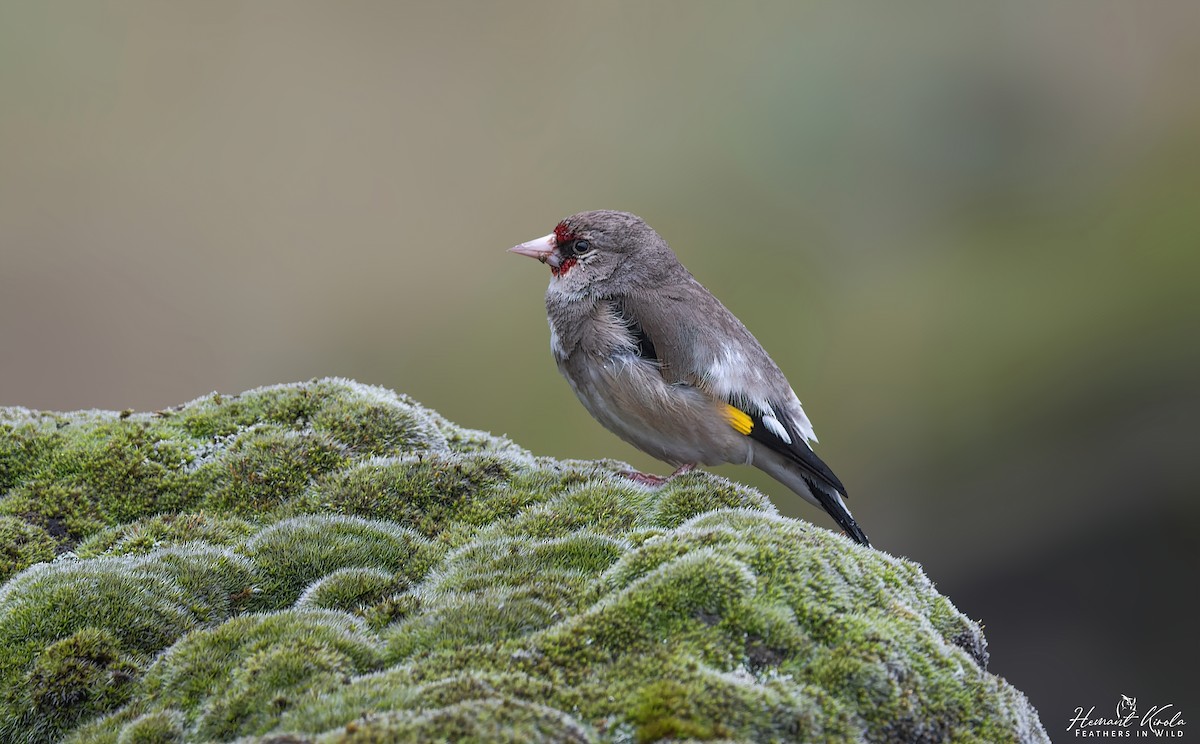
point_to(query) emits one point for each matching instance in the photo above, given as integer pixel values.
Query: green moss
(376, 422)
(463, 440)
(523, 562)
(699, 492)
(329, 562)
(268, 683)
(218, 582)
(391, 609)
(266, 466)
(667, 709)
(242, 675)
(159, 727)
(294, 553)
(458, 620)
(80, 676)
(679, 599)
(107, 471)
(162, 530)
(612, 506)
(423, 491)
(354, 590)
(62, 510)
(499, 720)
(27, 438)
(290, 406)
(22, 545)
(367, 420)
(140, 605)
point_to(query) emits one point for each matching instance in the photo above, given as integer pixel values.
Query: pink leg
(648, 479)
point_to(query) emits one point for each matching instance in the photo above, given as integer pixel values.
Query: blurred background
(970, 236)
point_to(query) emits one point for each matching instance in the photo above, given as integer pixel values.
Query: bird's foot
(646, 479)
(649, 479)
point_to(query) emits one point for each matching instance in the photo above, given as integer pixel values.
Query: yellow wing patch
(741, 422)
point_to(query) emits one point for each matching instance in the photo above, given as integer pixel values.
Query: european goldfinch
(661, 363)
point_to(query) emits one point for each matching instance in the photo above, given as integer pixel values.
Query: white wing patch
(776, 428)
(730, 377)
(729, 374)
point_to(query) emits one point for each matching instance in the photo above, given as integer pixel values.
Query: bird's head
(600, 252)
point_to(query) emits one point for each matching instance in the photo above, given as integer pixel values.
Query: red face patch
(563, 268)
(563, 234)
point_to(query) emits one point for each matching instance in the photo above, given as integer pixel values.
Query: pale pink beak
(543, 249)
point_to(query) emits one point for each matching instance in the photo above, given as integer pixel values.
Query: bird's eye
(582, 246)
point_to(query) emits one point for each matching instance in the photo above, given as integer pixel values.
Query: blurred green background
(969, 234)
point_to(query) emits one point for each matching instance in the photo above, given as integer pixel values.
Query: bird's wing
(776, 422)
(698, 341)
(794, 448)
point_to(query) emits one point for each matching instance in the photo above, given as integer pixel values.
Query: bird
(660, 362)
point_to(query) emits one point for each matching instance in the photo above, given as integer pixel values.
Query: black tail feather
(840, 513)
(796, 450)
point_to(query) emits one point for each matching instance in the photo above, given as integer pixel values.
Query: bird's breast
(676, 423)
(594, 329)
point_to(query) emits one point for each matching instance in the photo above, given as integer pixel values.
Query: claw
(648, 479)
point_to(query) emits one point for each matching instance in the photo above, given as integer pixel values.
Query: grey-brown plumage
(661, 363)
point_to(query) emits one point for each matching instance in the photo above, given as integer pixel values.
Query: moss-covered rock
(331, 562)
(22, 545)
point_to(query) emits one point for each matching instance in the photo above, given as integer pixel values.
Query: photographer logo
(1155, 722)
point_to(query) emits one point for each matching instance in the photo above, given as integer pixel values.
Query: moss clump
(264, 467)
(296, 552)
(131, 613)
(241, 676)
(162, 530)
(74, 679)
(424, 491)
(26, 440)
(98, 470)
(500, 720)
(355, 590)
(330, 562)
(159, 727)
(22, 545)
